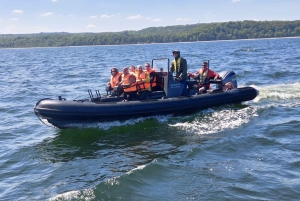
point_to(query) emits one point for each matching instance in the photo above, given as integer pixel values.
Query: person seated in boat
(203, 75)
(143, 83)
(133, 70)
(179, 66)
(228, 86)
(151, 73)
(114, 80)
(128, 83)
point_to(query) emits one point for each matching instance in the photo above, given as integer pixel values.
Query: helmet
(176, 51)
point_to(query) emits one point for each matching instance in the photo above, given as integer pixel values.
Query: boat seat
(159, 77)
(110, 99)
(191, 83)
(157, 91)
(213, 91)
(157, 94)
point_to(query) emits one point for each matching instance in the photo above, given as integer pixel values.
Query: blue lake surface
(249, 151)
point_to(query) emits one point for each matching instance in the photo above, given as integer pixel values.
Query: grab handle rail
(91, 95)
(98, 95)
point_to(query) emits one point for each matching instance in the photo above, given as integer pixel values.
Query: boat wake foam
(214, 121)
(89, 194)
(278, 92)
(110, 124)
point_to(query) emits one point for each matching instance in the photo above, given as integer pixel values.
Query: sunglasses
(147, 66)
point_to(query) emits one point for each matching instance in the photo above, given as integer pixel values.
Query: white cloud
(105, 16)
(136, 17)
(182, 19)
(14, 19)
(108, 16)
(36, 27)
(47, 14)
(17, 11)
(91, 26)
(11, 26)
(209, 15)
(93, 17)
(9, 29)
(54, 0)
(156, 20)
(235, 1)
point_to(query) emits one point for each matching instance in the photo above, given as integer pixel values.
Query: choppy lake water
(234, 152)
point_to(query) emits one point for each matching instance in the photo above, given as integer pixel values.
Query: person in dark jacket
(179, 66)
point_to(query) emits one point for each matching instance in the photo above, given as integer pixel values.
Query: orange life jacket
(115, 79)
(153, 84)
(143, 85)
(126, 80)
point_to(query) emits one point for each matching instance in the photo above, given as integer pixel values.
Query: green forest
(232, 30)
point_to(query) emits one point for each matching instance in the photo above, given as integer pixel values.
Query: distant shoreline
(211, 41)
(224, 40)
(207, 32)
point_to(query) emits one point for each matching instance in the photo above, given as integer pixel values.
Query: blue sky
(35, 16)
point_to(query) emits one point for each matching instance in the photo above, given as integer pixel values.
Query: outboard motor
(229, 76)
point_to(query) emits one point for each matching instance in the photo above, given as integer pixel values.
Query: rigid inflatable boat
(64, 113)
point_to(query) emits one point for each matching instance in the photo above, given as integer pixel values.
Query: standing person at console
(179, 66)
(143, 83)
(128, 84)
(203, 75)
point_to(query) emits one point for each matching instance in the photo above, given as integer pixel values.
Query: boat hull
(64, 114)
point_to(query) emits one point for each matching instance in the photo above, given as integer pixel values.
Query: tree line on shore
(232, 30)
